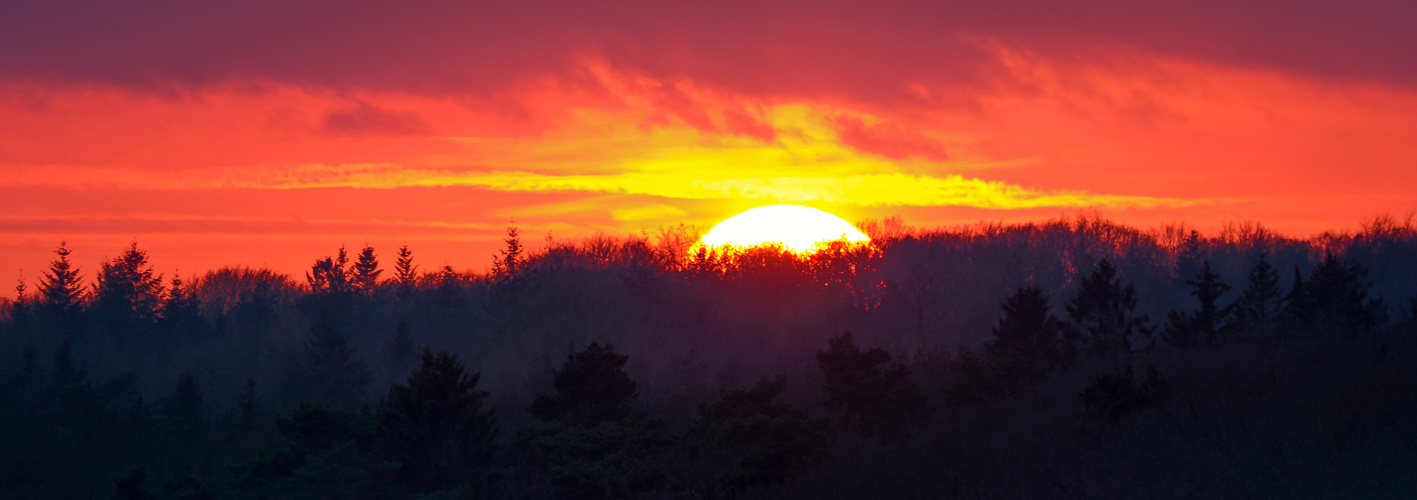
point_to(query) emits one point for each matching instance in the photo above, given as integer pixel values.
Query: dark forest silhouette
(1076, 358)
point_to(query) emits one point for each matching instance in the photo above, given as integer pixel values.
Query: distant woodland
(1073, 358)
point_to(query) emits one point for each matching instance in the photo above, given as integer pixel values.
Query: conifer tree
(1027, 335)
(61, 290)
(405, 271)
(1103, 313)
(449, 287)
(330, 275)
(508, 264)
(1207, 324)
(127, 294)
(1259, 306)
(438, 426)
(181, 313)
(334, 371)
(1296, 314)
(1338, 297)
(365, 275)
(20, 310)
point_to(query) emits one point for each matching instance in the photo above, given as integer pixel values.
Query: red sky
(270, 133)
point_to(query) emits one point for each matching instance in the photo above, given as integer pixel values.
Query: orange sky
(271, 135)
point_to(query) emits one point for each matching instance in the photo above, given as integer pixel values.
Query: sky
(270, 133)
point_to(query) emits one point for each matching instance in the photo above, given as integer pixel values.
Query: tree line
(746, 373)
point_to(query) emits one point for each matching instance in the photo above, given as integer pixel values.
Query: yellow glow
(805, 162)
(795, 227)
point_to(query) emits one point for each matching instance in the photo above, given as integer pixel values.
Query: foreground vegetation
(1072, 359)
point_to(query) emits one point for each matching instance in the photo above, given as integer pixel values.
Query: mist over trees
(983, 360)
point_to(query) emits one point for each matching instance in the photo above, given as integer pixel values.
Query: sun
(795, 227)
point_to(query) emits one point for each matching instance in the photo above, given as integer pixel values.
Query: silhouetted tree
(364, 277)
(1190, 255)
(437, 427)
(591, 387)
(185, 409)
(335, 373)
(1027, 336)
(508, 264)
(20, 309)
(1103, 313)
(127, 294)
(1338, 296)
(181, 312)
(405, 271)
(873, 394)
(1259, 306)
(746, 439)
(592, 443)
(1208, 324)
(61, 291)
(1298, 309)
(330, 275)
(450, 288)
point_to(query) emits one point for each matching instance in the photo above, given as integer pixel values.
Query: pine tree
(1103, 313)
(1338, 297)
(127, 294)
(508, 265)
(405, 272)
(438, 425)
(449, 288)
(181, 313)
(1259, 306)
(61, 290)
(1296, 314)
(1208, 324)
(334, 372)
(330, 275)
(1190, 255)
(20, 310)
(1027, 335)
(365, 279)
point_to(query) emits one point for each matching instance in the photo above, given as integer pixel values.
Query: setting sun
(796, 227)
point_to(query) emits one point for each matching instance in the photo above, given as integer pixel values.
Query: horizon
(535, 246)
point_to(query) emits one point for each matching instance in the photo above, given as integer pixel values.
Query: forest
(1069, 358)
